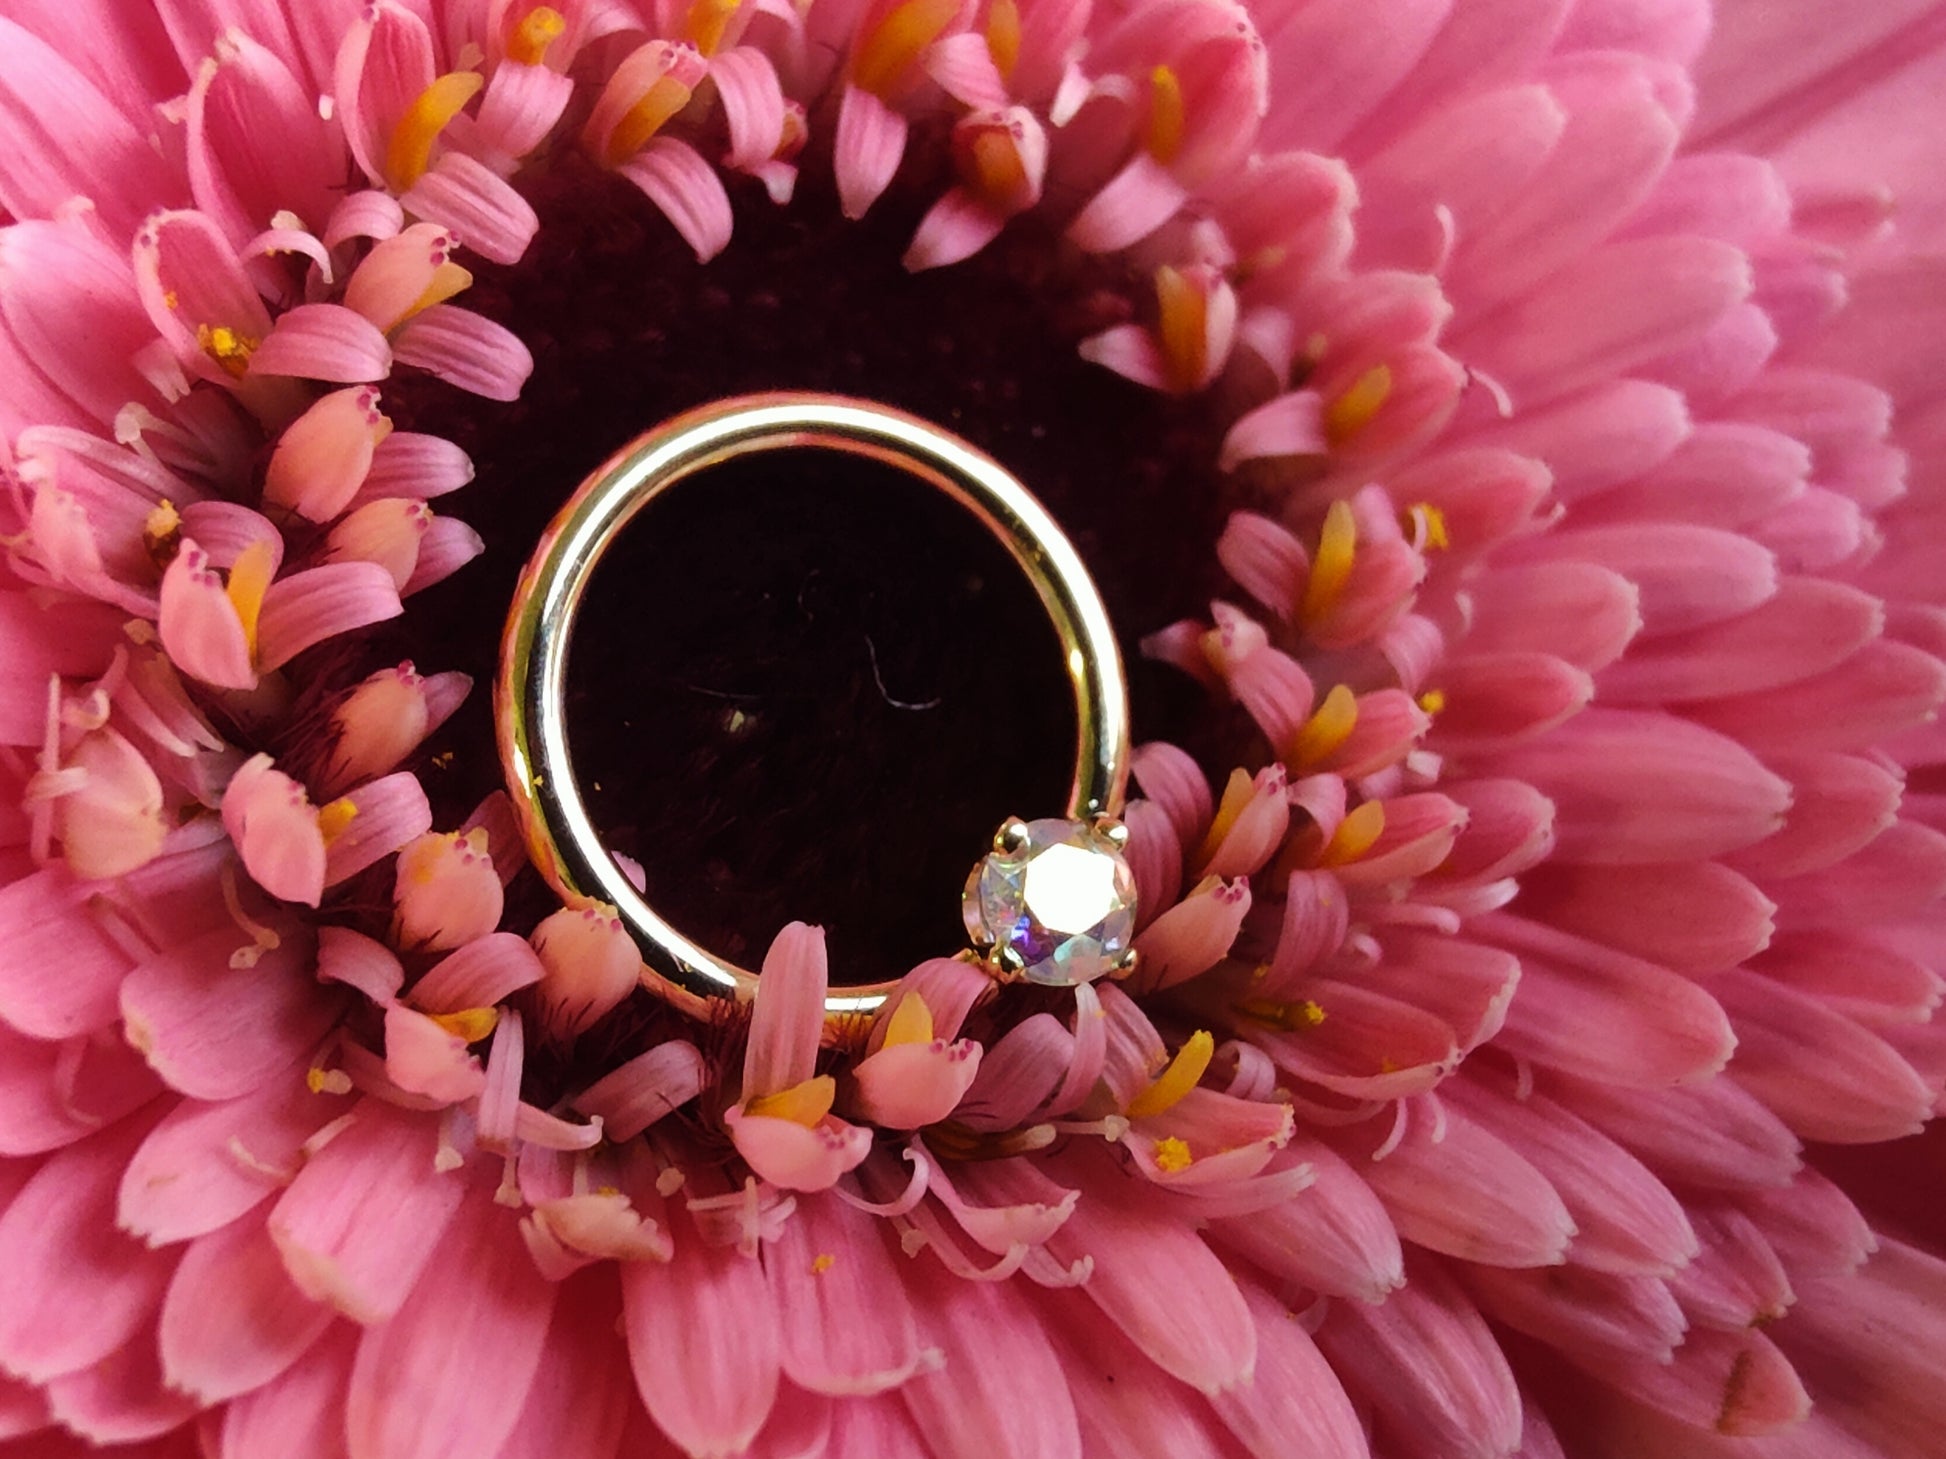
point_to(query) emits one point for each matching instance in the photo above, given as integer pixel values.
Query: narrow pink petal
(993, 1343)
(1019, 1073)
(121, 1399)
(302, 1411)
(232, 1321)
(591, 964)
(429, 1060)
(412, 464)
(217, 1031)
(521, 105)
(482, 208)
(1883, 688)
(830, 1264)
(1294, 1408)
(1194, 935)
(753, 104)
(1739, 1385)
(73, 1287)
(1695, 917)
(1369, 1046)
(62, 138)
(384, 62)
(1604, 1015)
(955, 228)
(1688, 577)
(1712, 1134)
(1583, 614)
(630, 1098)
(366, 1214)
(447, 546)
(50, 275)
(466, 1395)
(206, 1165)
(1590, 1315)
(870, 140)
(1495, 699)
(390, 812)
(1900, 873)
(1428, 1365)
(1133, 204)
(1735, 1280)
(1117, 1413)
(687, 190)
(483, 972)
(1131, 352)
(256, 144)
(789, 1013)
(581, 1386)
(912, 1085)
(1858, 975)
(275, 829)
(1812, 1225)
(1631, 788)
(467, 350)
(324, 342)
(1336, 1238)
(1176, 783)
(52, 1095)
(306, 608)
(703, 1340)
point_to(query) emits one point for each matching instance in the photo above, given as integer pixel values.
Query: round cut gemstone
(1057, 898)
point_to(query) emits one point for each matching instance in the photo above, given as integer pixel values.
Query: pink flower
(1523, 1000)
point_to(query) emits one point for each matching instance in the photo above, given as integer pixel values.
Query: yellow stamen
(1284, 1017)
(447, 280)
(470, 1024)
(660, 102)
(334, 819)
(822, 1263)
(889, 51)
(539, 29)
(249, 580)
(1329, 726)
(1331, 568)
(1431, 523)
(1355, 835)
(163, 521)
(1172, 1155)
(1432, 701)
(1351, 411)
(802, 1104)
(1003, 36)
(225, 346)
(1236, 795)
(911, 1022)
(707, 21)
(1184, 1073)
(410, 154)
(994, 169)
(1165, 115)
(1183, 327)
(314, 1079)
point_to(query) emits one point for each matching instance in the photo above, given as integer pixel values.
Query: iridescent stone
(1054, 903)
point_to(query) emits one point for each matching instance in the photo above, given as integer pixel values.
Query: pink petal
(52, 274)
(467, 350)
(256, 144)
(870, 140)
(465, 1394)
(215, 1030)
(829, 1264)
(1134, 203)
(687, 190)
(306, 608)
(324, 342)
(52, 1095)
(630, 1098)
(993, 1343)
(910, 1085)
(789, 1013)
(199, 625)
(482, 208)
(121, 1399)
(206, 1165)
(481, 973)
(794, 1156)
(411, 464)
(303, 1410)
(1294, 1407)
(1336, 1238)
(232, 1321)
(275, 828)
(324, 455)
(366, 1214)
(582, 1385)
(390, 811)
(703, 1339)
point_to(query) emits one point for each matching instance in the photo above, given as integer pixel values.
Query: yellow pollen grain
(1331, 567)
(1182, 326)
(1184, 1073)
(889, 51)
(249, 581)
(228, 348)
(1236, 795)
(1354, 409)
(1166, 119)
(1329, 726)
(314, 1080)
(162, 523)
(1003, 36)
(171, 300)
(538, 29)
(410, 152)
(802, 1104)
(660, 102)
(1431, 523)
(706, 23)
(1355, 835)
(822, 1263)
(1284, 1017)
(1173, 1155)
(994, 169)
(470, 1024)
(336, 818)
(911, 1022)
(1432, 701)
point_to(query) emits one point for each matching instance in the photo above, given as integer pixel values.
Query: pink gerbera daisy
(1509, 431)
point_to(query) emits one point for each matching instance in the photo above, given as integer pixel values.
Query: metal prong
(1125, 964)
(1011, 838)
(1004, 964)
(1114, 832)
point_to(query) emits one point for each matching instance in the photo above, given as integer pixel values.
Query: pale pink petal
(275, 828)
(387, 813)
(324, 342)
(324, 455)
(870, 140)
(199, 625)
(687, 190)
(795, 1156)
(482, 208)
(630, 1098)
(467, 350)
(232, 1321)
(829, 1264)
(306, 608)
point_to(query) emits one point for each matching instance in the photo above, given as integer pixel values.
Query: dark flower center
(809, 688)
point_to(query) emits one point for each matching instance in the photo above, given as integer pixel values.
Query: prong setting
(1053, 903)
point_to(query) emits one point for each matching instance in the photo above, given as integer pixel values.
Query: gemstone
(1054, 903)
